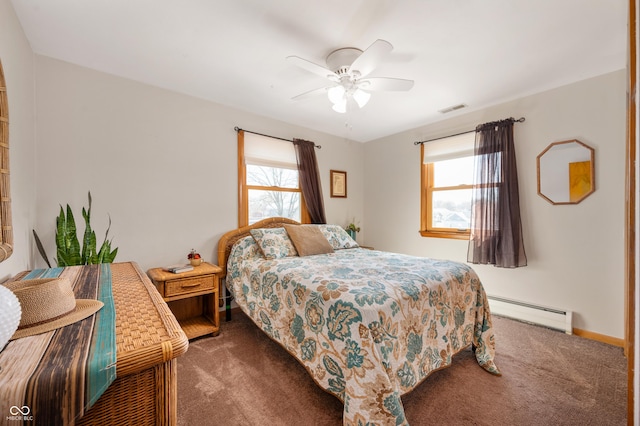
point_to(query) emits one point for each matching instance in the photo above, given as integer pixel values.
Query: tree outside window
(272, 192)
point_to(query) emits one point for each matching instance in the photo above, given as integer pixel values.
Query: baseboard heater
(557, 319)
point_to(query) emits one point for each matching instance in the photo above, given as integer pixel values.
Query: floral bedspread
(368, 325)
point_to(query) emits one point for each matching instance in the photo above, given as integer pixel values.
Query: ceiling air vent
(452, 108)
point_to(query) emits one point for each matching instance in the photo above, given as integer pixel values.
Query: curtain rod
(237, 129)
(519, 120)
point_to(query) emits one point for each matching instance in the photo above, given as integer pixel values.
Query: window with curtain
(446, 186)
(496, 229)
(268, 177)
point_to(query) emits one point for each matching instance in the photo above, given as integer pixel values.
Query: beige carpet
(241, 377)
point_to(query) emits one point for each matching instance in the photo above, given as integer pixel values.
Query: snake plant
(68, 248)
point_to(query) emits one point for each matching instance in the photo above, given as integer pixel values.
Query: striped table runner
(53, 378)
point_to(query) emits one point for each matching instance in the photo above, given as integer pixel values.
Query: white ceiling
(233, 51)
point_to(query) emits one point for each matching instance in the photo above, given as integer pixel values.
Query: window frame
(243, 189)
(427, 189)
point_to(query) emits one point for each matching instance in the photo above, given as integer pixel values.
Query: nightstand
(192, 296)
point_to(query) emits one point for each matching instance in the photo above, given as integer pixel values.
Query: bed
(369, 326)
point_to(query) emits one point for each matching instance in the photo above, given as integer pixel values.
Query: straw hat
(48, 304)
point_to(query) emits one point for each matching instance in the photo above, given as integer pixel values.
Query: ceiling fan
(347, 70)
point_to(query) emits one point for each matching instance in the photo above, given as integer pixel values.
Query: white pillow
(337, 237)
(273, 242)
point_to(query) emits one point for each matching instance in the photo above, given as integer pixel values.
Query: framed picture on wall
(338, 183)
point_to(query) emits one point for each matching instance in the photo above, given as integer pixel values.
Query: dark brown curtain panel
(310, 179)
(496, 228)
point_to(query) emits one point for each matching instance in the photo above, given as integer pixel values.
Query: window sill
(459, 235)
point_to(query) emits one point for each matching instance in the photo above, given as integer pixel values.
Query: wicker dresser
(148, 340)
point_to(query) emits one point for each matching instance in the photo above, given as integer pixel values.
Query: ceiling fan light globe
(361, 97)
(340, 107)
(336, 94)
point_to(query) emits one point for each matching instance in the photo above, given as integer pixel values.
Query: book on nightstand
(176, 269)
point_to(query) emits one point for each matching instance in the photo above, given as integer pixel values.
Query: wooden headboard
(229, 239)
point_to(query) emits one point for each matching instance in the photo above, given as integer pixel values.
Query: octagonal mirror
(566, 172)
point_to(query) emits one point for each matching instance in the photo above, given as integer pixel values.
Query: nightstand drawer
(188, 285)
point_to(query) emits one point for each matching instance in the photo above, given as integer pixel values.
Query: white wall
(163, 165)
(575, 252)
(18, 63)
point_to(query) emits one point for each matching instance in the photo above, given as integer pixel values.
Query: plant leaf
(67, 240)
(41, 248)
(89, 239)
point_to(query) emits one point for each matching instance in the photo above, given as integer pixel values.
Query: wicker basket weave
(6, 228)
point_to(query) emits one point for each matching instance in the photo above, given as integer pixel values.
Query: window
(268, 180)
(446, 186)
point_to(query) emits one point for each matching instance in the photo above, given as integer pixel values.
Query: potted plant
(352, 229)
(194, 258)
(68, 249)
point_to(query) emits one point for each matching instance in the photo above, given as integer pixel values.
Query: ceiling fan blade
(311, 93)
(314, 68)
(385, 83)
(370, 58)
